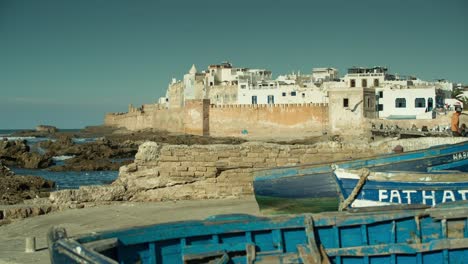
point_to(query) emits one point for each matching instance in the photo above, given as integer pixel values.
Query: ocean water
(72, 179)
(66, 179)
(7, 133)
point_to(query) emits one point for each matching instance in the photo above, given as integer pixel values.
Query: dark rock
(47, 129)
(90, 163)
(32, 160)
(398, 149)
(5, 171)
(16, 188)
(16, 153)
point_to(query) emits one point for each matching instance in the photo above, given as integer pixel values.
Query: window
(400, 103)
(345, 102)
(303, 95)
(380, 94)
(376, 82)
(254, 99)
(430, 104)
(364, 83)
(353, 83)
(211, 83)
(380, 107)
(420, 103)
(243, 86)
(271, 99)
(284, 94)
(293, 93)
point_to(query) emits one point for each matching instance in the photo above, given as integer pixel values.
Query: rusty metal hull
(425, 236)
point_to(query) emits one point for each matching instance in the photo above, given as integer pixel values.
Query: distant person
(454, 126)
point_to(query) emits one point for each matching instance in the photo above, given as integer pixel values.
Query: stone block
(163, 158)
(181, 168)
(187, 173)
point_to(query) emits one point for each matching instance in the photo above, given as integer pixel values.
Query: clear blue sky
(67, 63)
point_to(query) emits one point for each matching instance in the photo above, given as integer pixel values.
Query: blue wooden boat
(425, 236)
(313, 188)
(363, 188)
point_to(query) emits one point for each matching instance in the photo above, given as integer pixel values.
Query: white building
(320, 75)
(275, 92)
(395, 96)
(365, 77)
(401, 102)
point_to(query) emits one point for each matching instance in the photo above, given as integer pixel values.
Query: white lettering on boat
(448, 195)
(463, 194)
(395, 194)
(408, 195)
(460, 156)
(428, 197)
(383, 195)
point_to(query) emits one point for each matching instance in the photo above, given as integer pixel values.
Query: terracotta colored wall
(268, 120)
(196, 116)
(163, 119)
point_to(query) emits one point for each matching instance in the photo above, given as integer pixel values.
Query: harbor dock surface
(107, 217)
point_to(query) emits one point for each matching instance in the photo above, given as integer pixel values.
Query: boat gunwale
(338, 219)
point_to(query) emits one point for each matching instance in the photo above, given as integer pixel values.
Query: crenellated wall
(271, 120)
(198, 117)
(164, 119)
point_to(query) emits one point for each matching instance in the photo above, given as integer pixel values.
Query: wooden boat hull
(295, 189)
(381, 189)
(436, 235)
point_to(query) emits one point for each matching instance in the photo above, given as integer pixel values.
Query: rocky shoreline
(26, 196)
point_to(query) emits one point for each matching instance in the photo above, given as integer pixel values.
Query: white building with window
(406, 103)
(274, 92)
(320, 75)
(365, 77)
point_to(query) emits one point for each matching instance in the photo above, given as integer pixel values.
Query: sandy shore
(106, 217)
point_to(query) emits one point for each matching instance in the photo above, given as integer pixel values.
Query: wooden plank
(223, 260)
(102, 245)
(449, 213)
(312, 242)
(304, 254)
(399, 248)
(250, 253)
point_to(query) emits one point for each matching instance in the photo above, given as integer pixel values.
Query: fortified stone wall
(174, 172)
(199, 118)
(269, 120)
(164, 119)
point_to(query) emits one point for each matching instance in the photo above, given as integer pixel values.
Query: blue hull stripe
(448, 165)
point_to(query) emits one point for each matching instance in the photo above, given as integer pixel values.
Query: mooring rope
(363, 174)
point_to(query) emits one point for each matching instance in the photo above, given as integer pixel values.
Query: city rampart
(198, 117)
(164, 119)
(268, 120)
